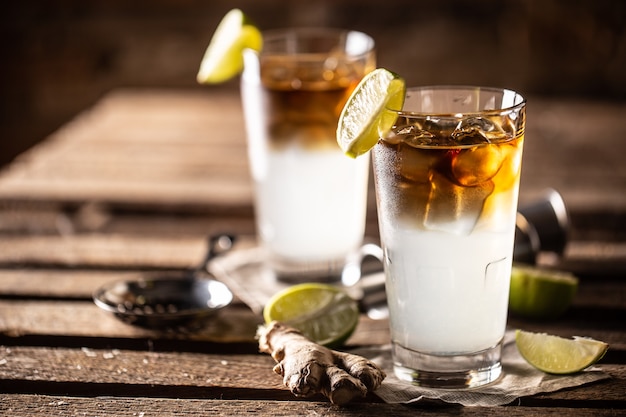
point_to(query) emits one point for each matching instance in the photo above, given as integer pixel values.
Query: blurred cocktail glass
(310, 201)
(447, 178)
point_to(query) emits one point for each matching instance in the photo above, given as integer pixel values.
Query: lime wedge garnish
(223, 58)
(324, 313)
(368, 114)
(540, 293)
(557, 355)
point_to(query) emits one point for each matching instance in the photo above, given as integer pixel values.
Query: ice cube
(412, 134)
(401, 182)
(509, 171)
(452, 208)
(415, 164)
(477, 130)
(475, 165)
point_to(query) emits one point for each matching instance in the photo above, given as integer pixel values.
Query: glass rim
(457, 115)
(270, 35)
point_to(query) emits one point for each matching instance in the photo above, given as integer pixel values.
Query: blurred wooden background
(59, 57)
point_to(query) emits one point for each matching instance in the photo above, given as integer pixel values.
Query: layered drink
(310, 200)
(447, 179)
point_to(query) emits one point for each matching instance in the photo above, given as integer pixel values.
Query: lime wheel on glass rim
(223, 58)
(370, 111)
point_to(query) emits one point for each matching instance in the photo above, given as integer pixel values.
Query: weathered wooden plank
(18, 405)
(180, 250)
(102, 369)
(31, 219)
(202, 224)
(596, 302)
(63, 284)
(598, 308)
(130, 366)
(595, 258)
(81, 283)
(144, 163)
(234, 324)
(55, 283)
(112, 366)
(111, 251)
(223, 191)
(170, 116)
(140, 148)
(42, 319)
(210, 111)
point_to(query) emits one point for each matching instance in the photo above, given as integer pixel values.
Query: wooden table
(133, 186)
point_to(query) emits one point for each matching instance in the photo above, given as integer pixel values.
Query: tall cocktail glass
(310, 200)
(447, 179)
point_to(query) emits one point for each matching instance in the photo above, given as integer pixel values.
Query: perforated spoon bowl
(167, 302)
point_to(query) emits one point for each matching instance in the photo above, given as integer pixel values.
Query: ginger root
(308, 368)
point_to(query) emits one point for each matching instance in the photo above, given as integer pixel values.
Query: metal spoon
(169, 303)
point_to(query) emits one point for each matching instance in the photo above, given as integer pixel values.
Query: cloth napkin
(519, 379)
(243, 271)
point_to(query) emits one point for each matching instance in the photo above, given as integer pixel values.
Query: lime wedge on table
(223, 58)
(366, 115)
(540, 293)
(557, 355)
(324, 313)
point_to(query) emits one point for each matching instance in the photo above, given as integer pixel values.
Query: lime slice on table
(223, 58)
(540, 293)
(557, 355)
(367, 114)
(324, 313)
